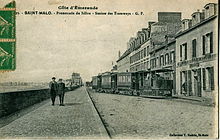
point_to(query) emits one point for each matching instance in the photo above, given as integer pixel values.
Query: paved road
(137, 117)
(77, 119)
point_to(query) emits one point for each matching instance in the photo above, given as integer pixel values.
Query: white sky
(59, 45)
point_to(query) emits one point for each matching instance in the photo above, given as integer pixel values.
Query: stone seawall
(11, 102)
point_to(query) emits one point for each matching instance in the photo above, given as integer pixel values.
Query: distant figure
(53, 89)
(61, 91)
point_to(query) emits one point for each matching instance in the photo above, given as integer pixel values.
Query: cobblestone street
(137, 117)
(77, 118)
(124, 117)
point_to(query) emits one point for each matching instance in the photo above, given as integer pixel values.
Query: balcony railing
(207, 57)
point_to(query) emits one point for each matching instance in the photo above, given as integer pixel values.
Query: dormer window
(210, 9)
(207, 8)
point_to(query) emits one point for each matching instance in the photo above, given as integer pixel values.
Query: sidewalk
(201, 100)
(198, 100)
(77, 119)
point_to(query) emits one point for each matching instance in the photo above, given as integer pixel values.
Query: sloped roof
(126, 53)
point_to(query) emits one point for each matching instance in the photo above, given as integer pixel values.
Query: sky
(58, 45)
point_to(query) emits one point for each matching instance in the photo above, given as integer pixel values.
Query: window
(203, 45)
(204, 78)
(208, 78)
(161, 60)
(144, 52)
(148, 65)
(167, 59)
(157, 63)
(207, 43)
(148, 50)
(211, 77)
(145, 65)
(172, 57)
(193, 48)
(185, 45)
(183, 52)
(180, 52)
(151, 63)
(211, 42)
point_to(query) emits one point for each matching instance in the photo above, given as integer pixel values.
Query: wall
(141, 64)
(189, 64)
(124, 64)
(14, 101)
(11, 102)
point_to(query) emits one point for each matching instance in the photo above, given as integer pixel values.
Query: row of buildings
(182, 50)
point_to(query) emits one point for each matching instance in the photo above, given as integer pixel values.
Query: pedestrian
(61, 91)
(53, 90)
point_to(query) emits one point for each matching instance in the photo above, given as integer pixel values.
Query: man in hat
(61, 91)
(53, 90)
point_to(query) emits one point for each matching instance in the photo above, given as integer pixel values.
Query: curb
(156, 97)
(104, 132)
(191, 99)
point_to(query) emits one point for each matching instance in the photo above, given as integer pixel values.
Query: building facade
(140, 58)
(123, 63)
(184, 51)
(76, 79)
(196, 54)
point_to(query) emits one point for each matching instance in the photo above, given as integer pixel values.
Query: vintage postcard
(109, 69)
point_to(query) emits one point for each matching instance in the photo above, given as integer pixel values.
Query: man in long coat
(61, 91)
(53, 90)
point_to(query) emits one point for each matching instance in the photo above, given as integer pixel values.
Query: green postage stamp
(7, 37)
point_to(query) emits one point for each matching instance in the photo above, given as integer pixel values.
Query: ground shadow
(71, 104)
(5, 120)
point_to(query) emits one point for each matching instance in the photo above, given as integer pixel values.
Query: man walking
(61, 91)
(53, 90)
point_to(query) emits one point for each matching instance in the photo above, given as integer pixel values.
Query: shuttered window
(203, 45)
(185, 45)
(144, 52)
(204, 78)
(194, 48)
(212, 78)
(211, 42)
(181, 91)
(180, 52)
(190, 82)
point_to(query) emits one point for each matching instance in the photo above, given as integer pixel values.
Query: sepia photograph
(109, 69)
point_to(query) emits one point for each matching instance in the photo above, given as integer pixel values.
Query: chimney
(150, 23)
(119, 54)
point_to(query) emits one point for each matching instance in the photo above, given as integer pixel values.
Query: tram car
(95, 82)
(108, 82)
(124, 83)
(133, 83)
(88, 84)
